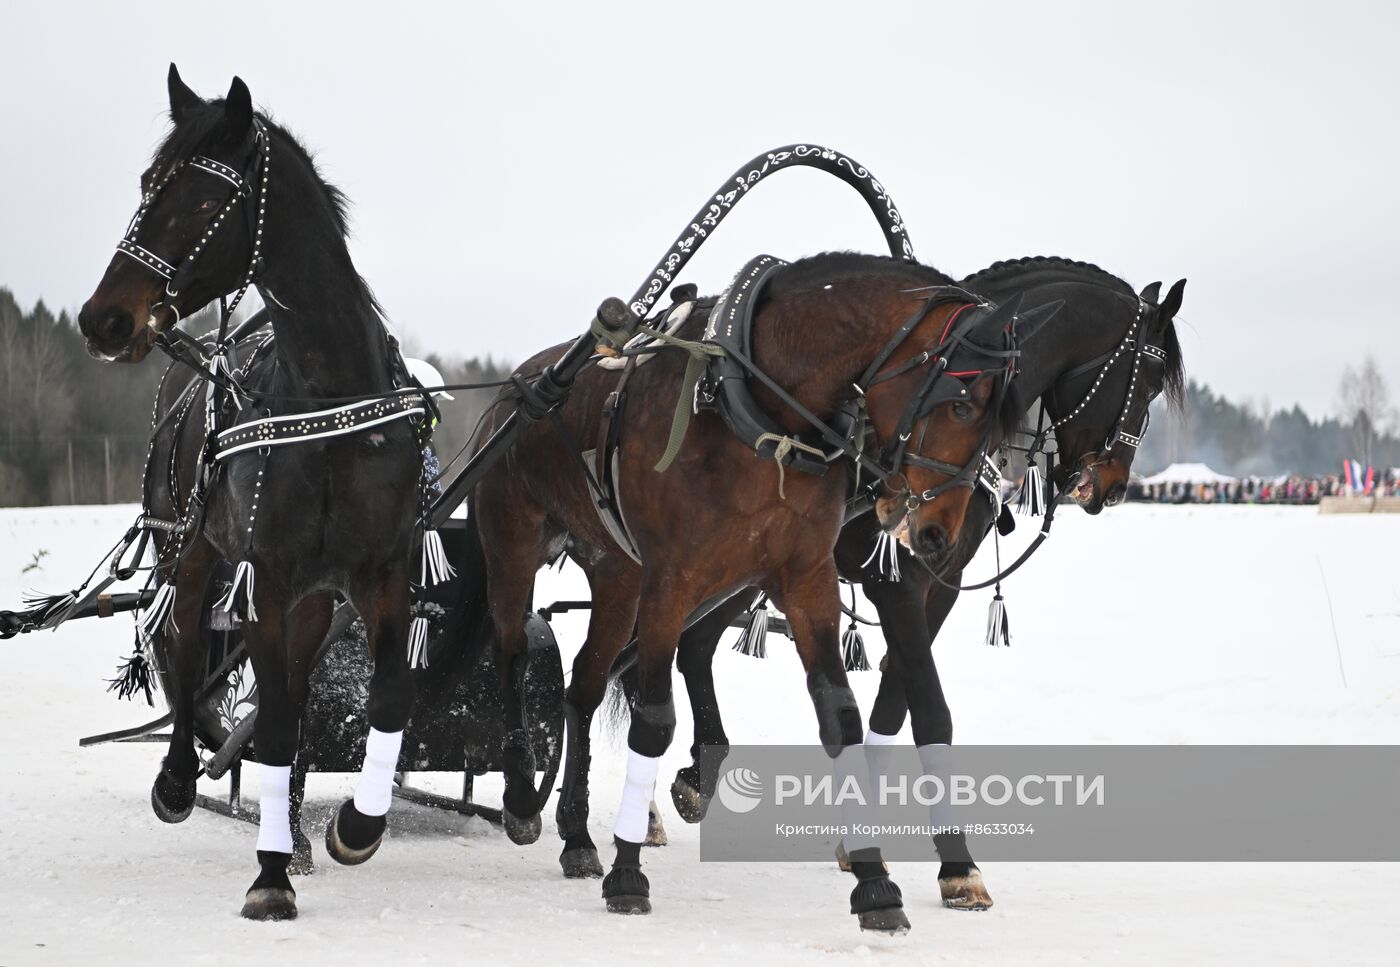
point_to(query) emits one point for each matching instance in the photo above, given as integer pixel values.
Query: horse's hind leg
(810, 597)
(173, 794)
(281, 650)
(694, 785)
(615, 590)
(357, 828)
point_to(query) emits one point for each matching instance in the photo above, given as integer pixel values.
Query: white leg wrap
(375, 789)
(274, 823)
(936, 762)
(876, 738)
(636, 797)
(850, 770)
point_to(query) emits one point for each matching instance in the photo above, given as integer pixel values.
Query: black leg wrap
(952, 849)
(571, 813)
(838, 714)
(625, 888)
(271, 896)
(653, 726)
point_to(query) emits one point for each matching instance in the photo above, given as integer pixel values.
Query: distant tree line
(1249, 439)
(75, 431)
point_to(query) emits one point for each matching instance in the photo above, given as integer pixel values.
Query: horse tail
(616, 710)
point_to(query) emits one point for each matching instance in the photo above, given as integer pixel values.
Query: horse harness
(725, 387)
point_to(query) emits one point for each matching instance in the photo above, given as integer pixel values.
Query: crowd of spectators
(1293, 489)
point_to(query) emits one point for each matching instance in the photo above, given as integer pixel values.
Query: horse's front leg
(357, 829)
(281, 645)
(173, 794)
(694, 785)
(659, 621)
(810, 597)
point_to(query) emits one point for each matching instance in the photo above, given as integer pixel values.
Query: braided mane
(1048, 263)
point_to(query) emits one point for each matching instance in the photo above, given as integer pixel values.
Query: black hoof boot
(271, 896)
(302, 864)
(172, 796)
(625, 888)
(352, 837)
(876, 900)
(580, 859)
(520, 812)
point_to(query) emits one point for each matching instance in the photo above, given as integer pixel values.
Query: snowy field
(1146, 625)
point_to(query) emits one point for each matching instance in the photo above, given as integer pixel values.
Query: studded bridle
(248, 187)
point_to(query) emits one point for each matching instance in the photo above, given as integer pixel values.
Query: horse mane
(1174, 380)
(826, 268)
(202, 125)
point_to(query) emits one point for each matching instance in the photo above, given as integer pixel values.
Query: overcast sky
(511, 164)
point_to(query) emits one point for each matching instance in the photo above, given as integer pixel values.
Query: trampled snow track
(1181, 625)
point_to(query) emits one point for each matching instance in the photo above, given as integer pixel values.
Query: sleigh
(456, 726)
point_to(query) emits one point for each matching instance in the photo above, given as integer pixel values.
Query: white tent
(1188, 473)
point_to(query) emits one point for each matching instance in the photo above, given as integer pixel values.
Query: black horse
(1095, 369)
(233, 200)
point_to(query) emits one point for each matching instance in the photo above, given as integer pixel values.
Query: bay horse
(1097, 403)
(232, 200)
(827, 330)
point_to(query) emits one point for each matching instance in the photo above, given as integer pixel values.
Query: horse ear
(1150, 293)
(182, 99)
(1172, 303)
(238, 108)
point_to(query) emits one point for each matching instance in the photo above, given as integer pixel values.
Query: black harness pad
(731, 326)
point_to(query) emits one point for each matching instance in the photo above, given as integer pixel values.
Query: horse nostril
(933, 539)
(1116, 494)
(117, 326)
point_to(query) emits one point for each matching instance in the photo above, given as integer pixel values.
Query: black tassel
(1031, 502)
(47, 610)
(133, 675)
(998, 627)
(853, 650)
(239, 599)
(753, 640)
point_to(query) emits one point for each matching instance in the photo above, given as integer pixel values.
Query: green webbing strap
(700, 355)
(785, 445)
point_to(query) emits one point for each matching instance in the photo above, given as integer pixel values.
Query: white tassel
(1031, 503)
(885, 555)
(853, 650)
(152, 620)
(435, 568)
(242, 582)
(998, 628)
(753, 639)
(418, 643)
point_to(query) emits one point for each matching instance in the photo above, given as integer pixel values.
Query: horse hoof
(965, 892)
(629, 904)
(890, 920)
(302, 863)
(626, 890)
(352, 837)
(656, 829)
(270, 903)
(522, 832)
(689, 801)
(172, 802)
(581, 863)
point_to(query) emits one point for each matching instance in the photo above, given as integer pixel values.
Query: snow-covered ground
(1147, 625)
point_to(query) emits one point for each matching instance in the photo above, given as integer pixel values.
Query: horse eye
(962, 411)
(208, 205)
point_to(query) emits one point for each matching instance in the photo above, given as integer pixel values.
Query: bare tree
(1363, 402)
